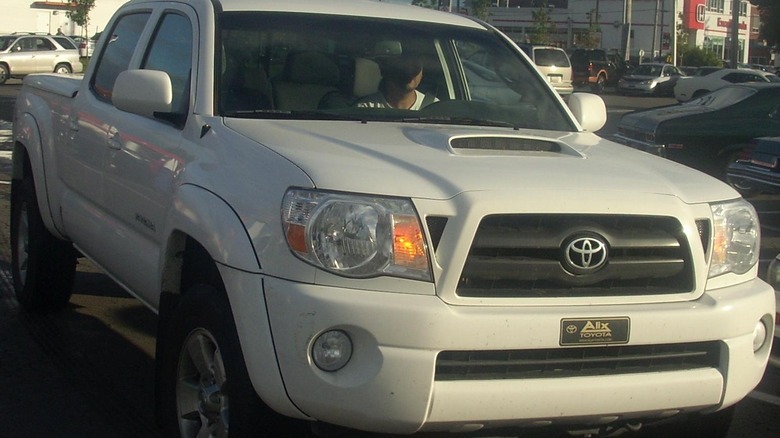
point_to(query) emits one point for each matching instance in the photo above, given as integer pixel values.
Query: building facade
(642, 29)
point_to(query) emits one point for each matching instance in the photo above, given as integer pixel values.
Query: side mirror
(143, 92)
(589, 110)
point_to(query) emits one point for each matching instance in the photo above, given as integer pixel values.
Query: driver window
(171, 51)
(117, 53)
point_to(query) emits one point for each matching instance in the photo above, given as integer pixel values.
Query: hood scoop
(508, 145)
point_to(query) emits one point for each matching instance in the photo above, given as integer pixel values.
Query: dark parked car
(756, 169)
(709, 132)
(597, 68)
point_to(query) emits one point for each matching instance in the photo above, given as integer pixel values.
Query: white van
(554, 65)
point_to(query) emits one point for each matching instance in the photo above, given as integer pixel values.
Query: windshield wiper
(291, 115)
(469, 121)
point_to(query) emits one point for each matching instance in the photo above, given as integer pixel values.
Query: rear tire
(744, 187)
(63, 69)
(600, 85)
(42, 266)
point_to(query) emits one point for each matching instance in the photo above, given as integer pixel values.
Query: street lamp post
(734, 47)
(627, 12)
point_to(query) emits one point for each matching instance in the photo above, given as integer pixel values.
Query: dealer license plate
(581, 331)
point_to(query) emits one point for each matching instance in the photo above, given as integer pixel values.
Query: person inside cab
(401, 75)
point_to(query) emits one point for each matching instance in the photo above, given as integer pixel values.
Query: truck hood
(439, 162)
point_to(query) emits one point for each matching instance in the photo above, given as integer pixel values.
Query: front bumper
(637, 88)
(390, 384)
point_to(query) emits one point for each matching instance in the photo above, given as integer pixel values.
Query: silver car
(21, 55)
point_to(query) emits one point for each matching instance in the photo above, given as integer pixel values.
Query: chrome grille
(522, 256)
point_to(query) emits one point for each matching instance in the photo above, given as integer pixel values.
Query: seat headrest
(367, 77)
(311, 68)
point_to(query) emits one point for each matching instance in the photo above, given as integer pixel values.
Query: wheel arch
(28, 158)
(207, 240)
(65, 63)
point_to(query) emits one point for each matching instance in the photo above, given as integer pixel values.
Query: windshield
(722, 97)
(316, 66)
(647, 70)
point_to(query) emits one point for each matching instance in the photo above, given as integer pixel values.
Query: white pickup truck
(485, 262)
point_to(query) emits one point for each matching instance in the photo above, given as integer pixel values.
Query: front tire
(206, 390)
(42, 266)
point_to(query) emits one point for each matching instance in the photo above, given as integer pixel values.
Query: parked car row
(709, 132)
(692, 87)
(23, 54)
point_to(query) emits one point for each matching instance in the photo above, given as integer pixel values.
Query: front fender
(212, 222)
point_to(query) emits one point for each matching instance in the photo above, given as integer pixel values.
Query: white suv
(21, 55)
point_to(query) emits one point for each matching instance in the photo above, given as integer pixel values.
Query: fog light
(332, 350)
(759, 336)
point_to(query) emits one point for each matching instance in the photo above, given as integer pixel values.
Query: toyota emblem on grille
(584, 253)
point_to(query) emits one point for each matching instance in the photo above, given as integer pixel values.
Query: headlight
(736, 238)
(356, 236)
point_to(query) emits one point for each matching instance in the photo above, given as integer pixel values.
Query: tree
(479, 8)
(682, 40)
(79, 13)
(769, 11)
(543, 25)
(696, 57)
(430, 4)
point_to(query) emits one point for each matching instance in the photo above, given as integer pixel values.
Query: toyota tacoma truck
(484, 263)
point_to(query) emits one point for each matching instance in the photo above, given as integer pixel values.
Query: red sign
(693, 14)
(727, 23)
